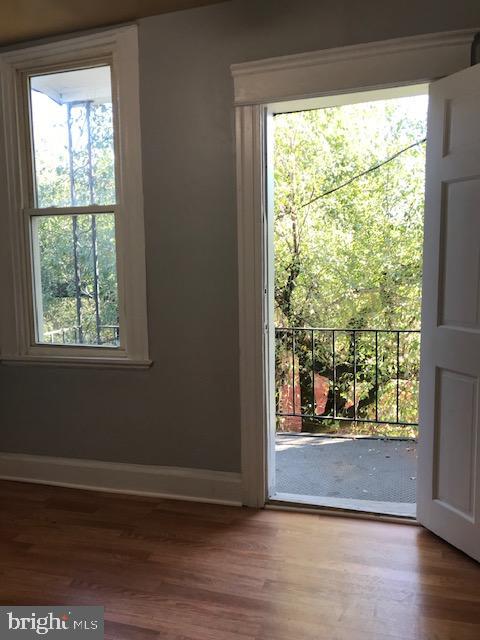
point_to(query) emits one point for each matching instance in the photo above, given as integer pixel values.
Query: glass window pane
(72, 125)
(76, 279)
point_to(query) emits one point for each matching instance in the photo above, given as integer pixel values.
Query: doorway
(346, 177)
(448, 489)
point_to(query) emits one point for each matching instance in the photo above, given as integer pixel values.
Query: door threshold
(366, 509)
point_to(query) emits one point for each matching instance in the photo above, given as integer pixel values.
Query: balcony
(347, 417)
(102, 335)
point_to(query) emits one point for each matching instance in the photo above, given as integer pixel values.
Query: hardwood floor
(190, 571)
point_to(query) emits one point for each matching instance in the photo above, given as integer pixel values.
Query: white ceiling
(70, 86)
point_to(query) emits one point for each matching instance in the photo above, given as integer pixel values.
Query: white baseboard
(198, 485)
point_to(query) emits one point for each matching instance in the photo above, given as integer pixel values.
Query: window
(74, 254)
(76, 202)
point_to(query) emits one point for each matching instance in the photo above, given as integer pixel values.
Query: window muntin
(73, 253)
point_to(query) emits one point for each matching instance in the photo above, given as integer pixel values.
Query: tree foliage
(350, 259)
(77, 255)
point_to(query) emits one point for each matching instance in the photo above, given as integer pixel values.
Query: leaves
(351, 259)
(74, 173)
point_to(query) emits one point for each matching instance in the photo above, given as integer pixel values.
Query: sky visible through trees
(351, 258)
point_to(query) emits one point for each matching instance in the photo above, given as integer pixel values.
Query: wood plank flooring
(173, 570)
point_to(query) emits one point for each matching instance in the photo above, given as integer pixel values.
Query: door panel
(456, 420)
(449, 456)
(461, 129)
(460, 255)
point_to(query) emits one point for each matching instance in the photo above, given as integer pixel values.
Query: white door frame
(412, 60)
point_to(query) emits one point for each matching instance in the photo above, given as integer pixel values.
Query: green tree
(350, 258)
(63, 241)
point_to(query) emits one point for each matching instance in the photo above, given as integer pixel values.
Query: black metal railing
(107, 334)
(367, 375)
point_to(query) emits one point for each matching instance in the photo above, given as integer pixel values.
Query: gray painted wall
(185, 410)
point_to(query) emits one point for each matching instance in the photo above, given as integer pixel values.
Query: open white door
(448, 494)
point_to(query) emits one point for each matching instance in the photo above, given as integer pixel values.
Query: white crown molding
(21, 56)
(198, 485)
(366, 49)
(292, 76)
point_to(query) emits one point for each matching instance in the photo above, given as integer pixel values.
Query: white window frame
(119, 49)
(258, 86)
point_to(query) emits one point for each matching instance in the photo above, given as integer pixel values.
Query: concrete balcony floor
(365, 474)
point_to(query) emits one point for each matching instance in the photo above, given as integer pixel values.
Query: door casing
(377, 65)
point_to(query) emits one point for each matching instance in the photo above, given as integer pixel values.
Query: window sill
(76, 361)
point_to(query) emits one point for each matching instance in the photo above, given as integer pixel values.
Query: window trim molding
(257, 85)
(120, 46)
